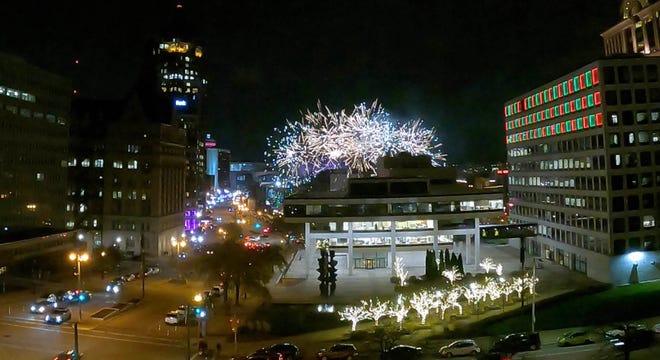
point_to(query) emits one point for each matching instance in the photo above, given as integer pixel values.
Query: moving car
(41, 306)
(175, 317)
(516, 342)
(338, 351)
(113, 287)
(574, 337)
(57, 316)
(460, 348)
(68, 355)
(77, 295)
(402, 352)
(55, 296)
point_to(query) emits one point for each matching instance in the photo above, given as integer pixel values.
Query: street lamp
(178, 243)
(534, 291)
(78, 257)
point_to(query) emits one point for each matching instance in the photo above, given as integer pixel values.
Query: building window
(613, 118)
(40, 176)
(610, 97)
(84, 163)
(647, 201)
(619, 225)
(634, 223)
(98, 163)
(615, 161)
(633, 202)
(629, 139)
(614, 140)
(652, 73)
(132, 164)
(116, 194)
(617, 204)
(626, 97)
(643, 137)
(648, 222)
(117, 164)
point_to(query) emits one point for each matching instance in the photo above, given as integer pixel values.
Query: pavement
(294, 288)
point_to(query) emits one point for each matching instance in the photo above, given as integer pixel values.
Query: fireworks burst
(324, 140)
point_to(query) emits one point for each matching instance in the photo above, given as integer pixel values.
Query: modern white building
(400, 213)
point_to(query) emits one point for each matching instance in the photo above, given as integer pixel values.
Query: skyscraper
(584, 158)
(173, 90)
(34, 133)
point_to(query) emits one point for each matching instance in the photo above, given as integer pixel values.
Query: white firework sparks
(325, 140)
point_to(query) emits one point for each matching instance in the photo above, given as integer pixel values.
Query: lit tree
(474, 294)
(354, 314)
(376, 310)
(493, 290)
(498, 270)
(530, 283)
(452, 274)
(518, 285)
(487, 264)
(399, 310)
(400, 270)
(506, 288)
(441, 301)
(422, 302)
(452, 297)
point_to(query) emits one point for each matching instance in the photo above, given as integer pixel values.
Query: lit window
(31, 207)
(69, 207)
(117, 165)
(98, 163)
(144, 196)
(100, 193)
(116, 194)
(73, 162)
(84, 163)
(132, 164)
(82, 208)
(40, 176)
(649, 221)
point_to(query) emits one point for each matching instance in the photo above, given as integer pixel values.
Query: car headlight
(115, 289)
(42, 309)
(108, 288)
(58, 318)
(33, 308)
(47, 317)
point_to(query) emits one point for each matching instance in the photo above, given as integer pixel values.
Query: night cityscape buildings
(408, 208)
(584, 158)
(34, 122)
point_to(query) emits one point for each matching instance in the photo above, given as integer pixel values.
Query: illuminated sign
(180, 103)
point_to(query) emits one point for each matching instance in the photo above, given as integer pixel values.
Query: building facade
(34, 132)
(370, 222)
(130, 178)
(584, 160)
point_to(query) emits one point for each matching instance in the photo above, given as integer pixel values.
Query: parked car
(41, 306)
(402, 352)
(217, 290)
(285, 351)
(338, 351)
(460, 348)
(619, 331)
(635, 338)
(574, 337)
(58, 316)
(68, 355)
(516, 342)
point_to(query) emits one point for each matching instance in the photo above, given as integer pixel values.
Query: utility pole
(142, 261)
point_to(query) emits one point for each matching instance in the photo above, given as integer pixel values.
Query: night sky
(451, 63)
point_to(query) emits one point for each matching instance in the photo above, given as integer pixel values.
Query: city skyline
(268, 62)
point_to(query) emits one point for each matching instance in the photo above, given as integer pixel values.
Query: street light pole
(534, 293)
(79, 288)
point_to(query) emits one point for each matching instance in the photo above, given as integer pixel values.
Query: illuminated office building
(34, 133)
(584, 155)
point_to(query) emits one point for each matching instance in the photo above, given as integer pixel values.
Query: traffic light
(332, 268)
(200, 313)
(257, 225)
